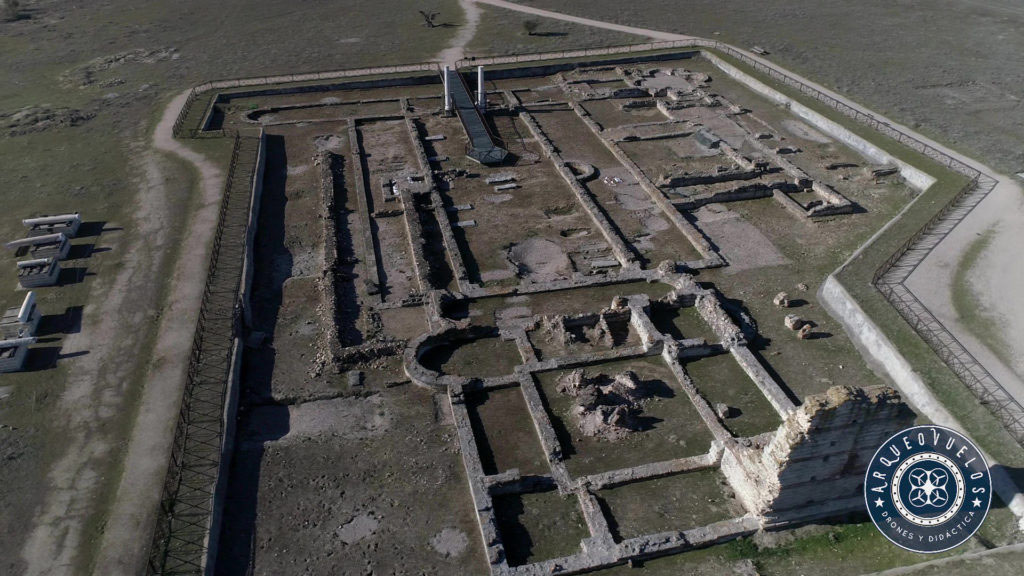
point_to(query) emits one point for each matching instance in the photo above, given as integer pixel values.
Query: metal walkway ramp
(484, 146)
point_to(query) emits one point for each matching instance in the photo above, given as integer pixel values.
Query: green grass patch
(972, 311)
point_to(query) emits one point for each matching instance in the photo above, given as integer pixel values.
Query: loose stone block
(793, 322)
(781, 300)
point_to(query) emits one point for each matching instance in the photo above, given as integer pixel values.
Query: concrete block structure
(47, 246)
(21, 321)
(38, 273)
(64, 223)
(13, 354)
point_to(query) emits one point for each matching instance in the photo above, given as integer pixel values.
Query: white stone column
(447, 92)
(481, 95)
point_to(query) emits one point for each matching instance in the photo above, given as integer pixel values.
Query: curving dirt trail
(126, 535)
(456, 49)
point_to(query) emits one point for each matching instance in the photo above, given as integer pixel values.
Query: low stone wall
(225, 97)
(413, 225)
(482, 502)
(232, 391)
(248, 267)
(496, 72)
(371, 278)
(653, 470)
(700, 243)
(709, 178)
(440, 214)
(329, 344)
(915, 177)
(619, 247)
(747, 192)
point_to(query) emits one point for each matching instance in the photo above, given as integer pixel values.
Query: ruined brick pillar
(813, 465)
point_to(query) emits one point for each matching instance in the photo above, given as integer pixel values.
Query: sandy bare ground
(126, 537)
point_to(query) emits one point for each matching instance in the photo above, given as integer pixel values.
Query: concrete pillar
(481, 95)
(447, 93)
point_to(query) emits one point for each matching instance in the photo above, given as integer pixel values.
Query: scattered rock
(328, 142)
(605, 407)
(724, 410)
(781, 300)
(801, 287)
(745, 567)
(85, 75)
(41, 118)
(805, 332)
(667, 267)
(793, 322)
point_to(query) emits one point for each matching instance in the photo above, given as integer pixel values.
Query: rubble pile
(606, 407)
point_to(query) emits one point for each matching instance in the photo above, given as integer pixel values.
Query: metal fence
(179, 544)
(890, 280)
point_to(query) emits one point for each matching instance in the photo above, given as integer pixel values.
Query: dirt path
(103, 375)
(656, 34)
(996, 280)
(456, 50)
(96, 402)
(126, 535)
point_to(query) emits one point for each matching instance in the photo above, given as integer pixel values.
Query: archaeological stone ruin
(593, 276)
